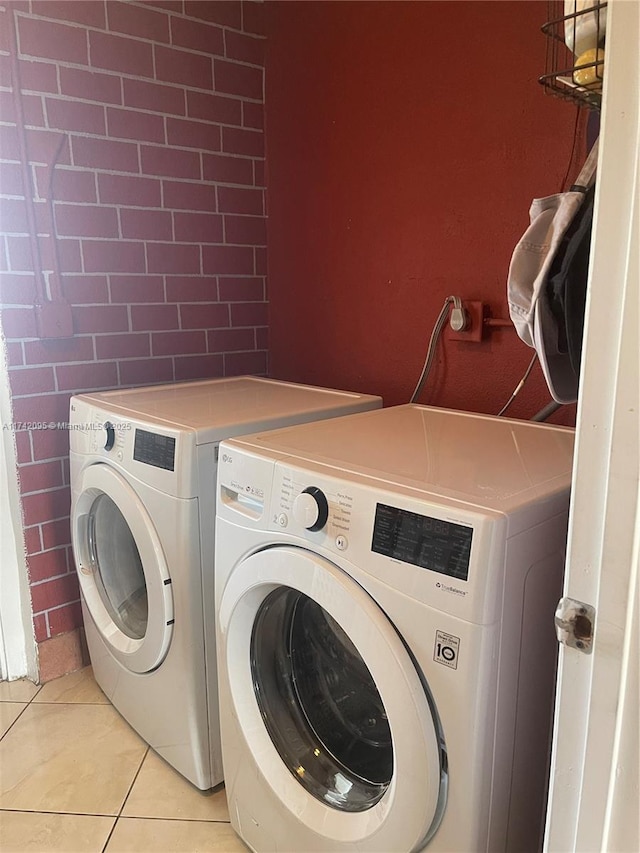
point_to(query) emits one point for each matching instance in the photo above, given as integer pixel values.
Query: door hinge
(575, 622)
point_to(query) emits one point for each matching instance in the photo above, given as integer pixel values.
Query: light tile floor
(76, 778)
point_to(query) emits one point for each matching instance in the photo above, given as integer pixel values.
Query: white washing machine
(143, 473)
(386, 586)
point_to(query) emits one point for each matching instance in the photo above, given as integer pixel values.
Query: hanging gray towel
(540, 250)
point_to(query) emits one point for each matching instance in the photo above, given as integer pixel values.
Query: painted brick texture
(143, 131)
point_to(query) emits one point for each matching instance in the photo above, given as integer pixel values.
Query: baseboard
(62, 654)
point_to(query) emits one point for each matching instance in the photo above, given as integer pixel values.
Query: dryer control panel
(154, 448)
(161, 456)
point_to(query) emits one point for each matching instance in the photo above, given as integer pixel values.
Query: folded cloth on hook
(536, 258)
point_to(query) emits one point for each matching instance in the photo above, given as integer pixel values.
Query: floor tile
(18, 691)
(78, 687)
(69, 758)
(53, 833)
(9, 713)
(159, 791)
(137, 835)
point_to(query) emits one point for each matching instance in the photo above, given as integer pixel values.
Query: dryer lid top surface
(487, 461)
(220, 408)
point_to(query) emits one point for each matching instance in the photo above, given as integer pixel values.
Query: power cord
(459, 318)
(547, 411)
(458, 323)
(519, 386)
(573, 148)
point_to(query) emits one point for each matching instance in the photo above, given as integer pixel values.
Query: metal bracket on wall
(479, 322)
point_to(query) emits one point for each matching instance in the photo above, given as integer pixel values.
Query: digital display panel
(154, 449)
(429, 543)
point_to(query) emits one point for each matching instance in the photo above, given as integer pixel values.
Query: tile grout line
(114, 818)
(16, 719)
(58, 702)
(48, 811)
(26, 705)
(126, 797)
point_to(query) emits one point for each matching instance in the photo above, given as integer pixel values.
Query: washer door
(122, 570)
(330, 702)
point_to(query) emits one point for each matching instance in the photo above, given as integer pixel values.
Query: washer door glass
(118, 568)
(122, 568)
(319, 702)
(321, 697)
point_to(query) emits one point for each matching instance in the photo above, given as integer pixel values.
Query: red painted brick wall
(159, 214)
(405, 143)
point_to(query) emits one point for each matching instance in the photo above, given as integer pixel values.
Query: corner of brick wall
(154, 112)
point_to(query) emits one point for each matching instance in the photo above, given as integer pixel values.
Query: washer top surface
(480, 459)
(218, 408)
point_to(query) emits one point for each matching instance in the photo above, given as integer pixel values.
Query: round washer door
(122, 570)
(330, 703)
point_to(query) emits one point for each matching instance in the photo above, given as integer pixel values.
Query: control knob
(311, 508)
(111, 435)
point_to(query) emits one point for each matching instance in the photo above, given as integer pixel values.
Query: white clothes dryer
(386, 586)
(143, 473)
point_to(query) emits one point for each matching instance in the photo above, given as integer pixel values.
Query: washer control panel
(438, 550)
(302, 506)
(311, 508)
(431, 543)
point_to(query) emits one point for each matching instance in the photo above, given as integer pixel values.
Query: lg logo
(227, 458)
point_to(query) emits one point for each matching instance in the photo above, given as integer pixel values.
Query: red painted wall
(159, 214)
(405, 143)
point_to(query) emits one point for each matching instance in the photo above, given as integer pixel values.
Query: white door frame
(18, 653)
(594, 792)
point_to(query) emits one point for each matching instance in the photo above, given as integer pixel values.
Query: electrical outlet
(475, 323)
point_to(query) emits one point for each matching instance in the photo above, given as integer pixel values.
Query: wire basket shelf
(575, 54)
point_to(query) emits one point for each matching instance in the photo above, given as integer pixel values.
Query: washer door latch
(575, 622)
